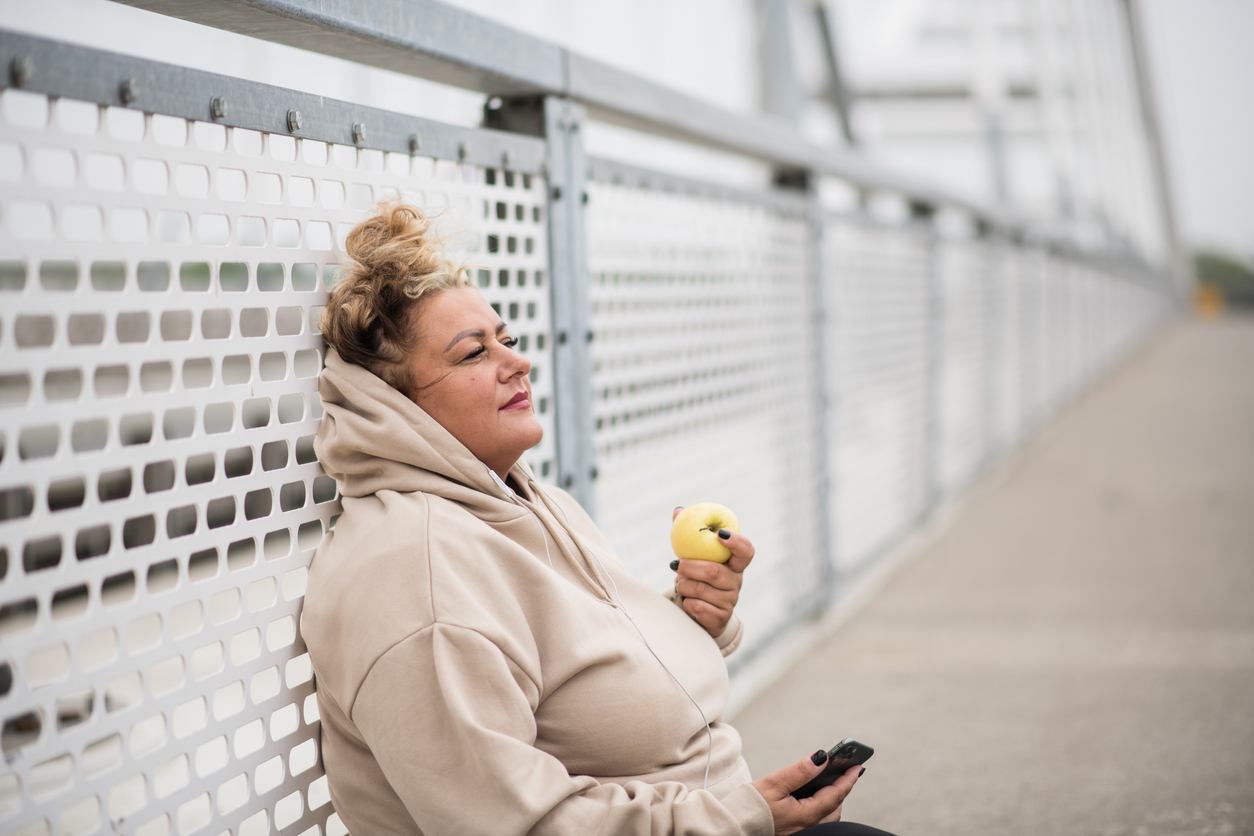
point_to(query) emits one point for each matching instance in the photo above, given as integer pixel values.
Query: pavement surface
(1075, 654)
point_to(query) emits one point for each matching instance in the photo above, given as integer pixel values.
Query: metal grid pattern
(881, 334)
(964, 407)
(1008, 345)
(160, 285)
(705, 384)
(1033, 300)
(947, 353)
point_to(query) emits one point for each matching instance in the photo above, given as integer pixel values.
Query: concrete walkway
(1076, 654)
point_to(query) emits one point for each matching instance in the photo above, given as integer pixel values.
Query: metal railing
(168, 236)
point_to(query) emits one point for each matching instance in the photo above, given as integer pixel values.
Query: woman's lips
(519, 401)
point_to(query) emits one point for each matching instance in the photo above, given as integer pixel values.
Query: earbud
(508, 490)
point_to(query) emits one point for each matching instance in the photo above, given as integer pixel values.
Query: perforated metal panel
(705, 384)
(1007, 292)
(880, 283)
(964, 404)
(1058, 349)
(1034, 319)
(160, 285)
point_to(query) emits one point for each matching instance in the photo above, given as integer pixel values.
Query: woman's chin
(524, 429)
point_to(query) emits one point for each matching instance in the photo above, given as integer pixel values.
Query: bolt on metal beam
(76, 72)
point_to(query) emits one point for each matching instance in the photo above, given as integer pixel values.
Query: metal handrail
(108, 78)
(434, 41)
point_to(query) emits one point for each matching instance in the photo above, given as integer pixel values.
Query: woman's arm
(450, 719)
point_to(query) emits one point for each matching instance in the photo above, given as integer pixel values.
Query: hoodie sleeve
(729, 639)
(449, 718)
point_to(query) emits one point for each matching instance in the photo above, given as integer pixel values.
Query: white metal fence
(160, 284)
(706, 379)
(831, 378)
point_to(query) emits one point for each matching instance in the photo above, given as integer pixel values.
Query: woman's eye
(510, 342)
(478, 351)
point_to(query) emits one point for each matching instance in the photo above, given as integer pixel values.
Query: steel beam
(434, 41)
(59, 69)
(421, 38)
(837, 91)
(637, 177)
(1144, 82)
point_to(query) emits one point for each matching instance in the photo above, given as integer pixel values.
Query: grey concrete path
(1076, 654)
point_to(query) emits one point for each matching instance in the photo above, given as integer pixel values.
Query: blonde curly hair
(395, 261)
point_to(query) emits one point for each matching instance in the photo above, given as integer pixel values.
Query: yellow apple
(694, 534)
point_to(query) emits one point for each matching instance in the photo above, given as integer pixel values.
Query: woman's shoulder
(378, 562)
(396, 564)
(368, 586)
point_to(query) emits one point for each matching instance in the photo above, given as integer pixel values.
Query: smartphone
(840, 757)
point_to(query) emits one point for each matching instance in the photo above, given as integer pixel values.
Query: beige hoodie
(476, 668)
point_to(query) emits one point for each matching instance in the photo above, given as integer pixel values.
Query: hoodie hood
(373, 438)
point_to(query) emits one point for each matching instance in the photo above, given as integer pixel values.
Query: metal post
(782, 93)
(1143, 76)
(559, 120)
(1029, 361)
(571, 312)
(991, 343)
(824, 320)
(924, 216)
(837, 91)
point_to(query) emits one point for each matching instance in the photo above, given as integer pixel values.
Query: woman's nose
(514, 364)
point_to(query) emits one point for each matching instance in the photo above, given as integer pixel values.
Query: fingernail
(679, 507)
(674, 565)
(724, 534)
(819, 758)
(861, 772)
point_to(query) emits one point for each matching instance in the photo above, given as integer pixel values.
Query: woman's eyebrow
(472, 332)
(461, 335)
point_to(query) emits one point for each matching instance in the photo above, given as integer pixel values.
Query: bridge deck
(1076, 654)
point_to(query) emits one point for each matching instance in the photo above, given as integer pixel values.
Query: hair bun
(395, 259)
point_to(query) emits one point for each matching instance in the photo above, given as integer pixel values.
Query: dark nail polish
(819, 758)
(674, 565)
(861, 772)
(724, 534)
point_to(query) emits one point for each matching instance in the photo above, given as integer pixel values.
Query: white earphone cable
(543, 536)
(709, 755)
(618, 601)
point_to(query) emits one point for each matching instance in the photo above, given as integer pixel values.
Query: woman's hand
(710, 590)
(790, 814)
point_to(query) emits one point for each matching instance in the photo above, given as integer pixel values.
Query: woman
(484, 665)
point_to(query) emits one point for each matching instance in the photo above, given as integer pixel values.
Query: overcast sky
(1204, 65)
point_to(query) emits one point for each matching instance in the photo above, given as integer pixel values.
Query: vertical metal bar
(824, 321)
(782, 93)
(837, 91)
(1028, 357)
(990, 344)
(571, 309)
(924, 217)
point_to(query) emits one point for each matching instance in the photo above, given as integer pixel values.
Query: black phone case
(840, 757)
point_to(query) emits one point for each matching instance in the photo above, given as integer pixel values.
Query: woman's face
(468, 377)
